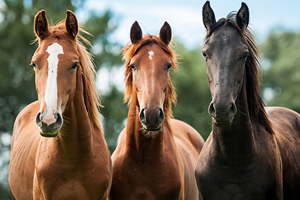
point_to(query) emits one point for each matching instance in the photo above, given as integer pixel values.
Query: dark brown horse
(156, 156)
(58, 150)
(252, 153)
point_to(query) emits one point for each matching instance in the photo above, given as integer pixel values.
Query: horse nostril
(59, 120)
(142, 116)
(38, 119)
(161, 116)
(233, 109)
(211, 110)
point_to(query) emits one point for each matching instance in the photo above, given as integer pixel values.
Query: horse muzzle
(49, 129)
(151, 119)
(222, 114)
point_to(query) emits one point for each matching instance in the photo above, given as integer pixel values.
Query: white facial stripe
(152, 86)
(151, 53)
(51, 89)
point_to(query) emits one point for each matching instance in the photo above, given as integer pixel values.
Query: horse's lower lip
(48, 134)
(152, 129)
(222, 123)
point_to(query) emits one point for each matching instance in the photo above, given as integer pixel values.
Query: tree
(192, 90)
(115, 115)
(282, 75)
(107, 55)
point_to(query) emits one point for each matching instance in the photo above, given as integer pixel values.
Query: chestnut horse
(252, 152)
(155, 156)
(58, 150)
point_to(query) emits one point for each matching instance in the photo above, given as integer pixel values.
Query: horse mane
(91, 96)
(256, 105)
(130, 50)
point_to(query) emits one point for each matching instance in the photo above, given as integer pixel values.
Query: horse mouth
(151, 132)
(222, 122)
(148, 129)
(49, 131)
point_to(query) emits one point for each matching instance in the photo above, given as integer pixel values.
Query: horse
(58, 150)
(253, 151)
(156, 155)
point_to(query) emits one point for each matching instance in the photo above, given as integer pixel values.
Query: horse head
(149, 69)
(55, 63)
(226, 52)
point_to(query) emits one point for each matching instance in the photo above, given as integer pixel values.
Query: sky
(185, 16)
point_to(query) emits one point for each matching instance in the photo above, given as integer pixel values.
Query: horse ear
(41, 24)
(242, 17)
(71, 24)
(208, 16)
(135, 33)
(165, 33)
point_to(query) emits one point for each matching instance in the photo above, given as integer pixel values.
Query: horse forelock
(91, 96)
(256, 105)
(132, 49)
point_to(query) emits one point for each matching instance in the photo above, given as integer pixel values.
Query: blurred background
(276, 26)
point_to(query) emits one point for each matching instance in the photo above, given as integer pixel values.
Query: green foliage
(105, 52)
(192, 90)
(4, 193)
(115, 114)
(281, 50)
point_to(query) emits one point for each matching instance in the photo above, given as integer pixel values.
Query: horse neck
(136, 141)
(236, 142)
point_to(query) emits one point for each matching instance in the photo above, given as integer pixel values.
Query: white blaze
(51, 89)
(151, 53)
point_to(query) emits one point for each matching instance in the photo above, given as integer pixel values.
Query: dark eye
(74, 65)
(246, 55)
(169, 66)
(204, 54)
(33, 65)
(132, 67)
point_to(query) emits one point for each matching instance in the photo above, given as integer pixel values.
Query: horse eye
(246, 55)
(132, 67)
(74, 65)
(169, 66)
(33, 65)
(204, 54)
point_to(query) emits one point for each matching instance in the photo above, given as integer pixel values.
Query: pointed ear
(165, 33)
(135, 33)
(208, 16)
(71, 24)
(41, 25)
(242, 17)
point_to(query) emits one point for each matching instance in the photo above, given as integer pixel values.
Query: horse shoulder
(286, 125)
(23, 152)
(121, 147)
(186, 132)
(189, 143)
(23, 119)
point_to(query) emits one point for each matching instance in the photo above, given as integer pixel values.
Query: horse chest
(226, 182)
(63, 181)
(157, 180)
